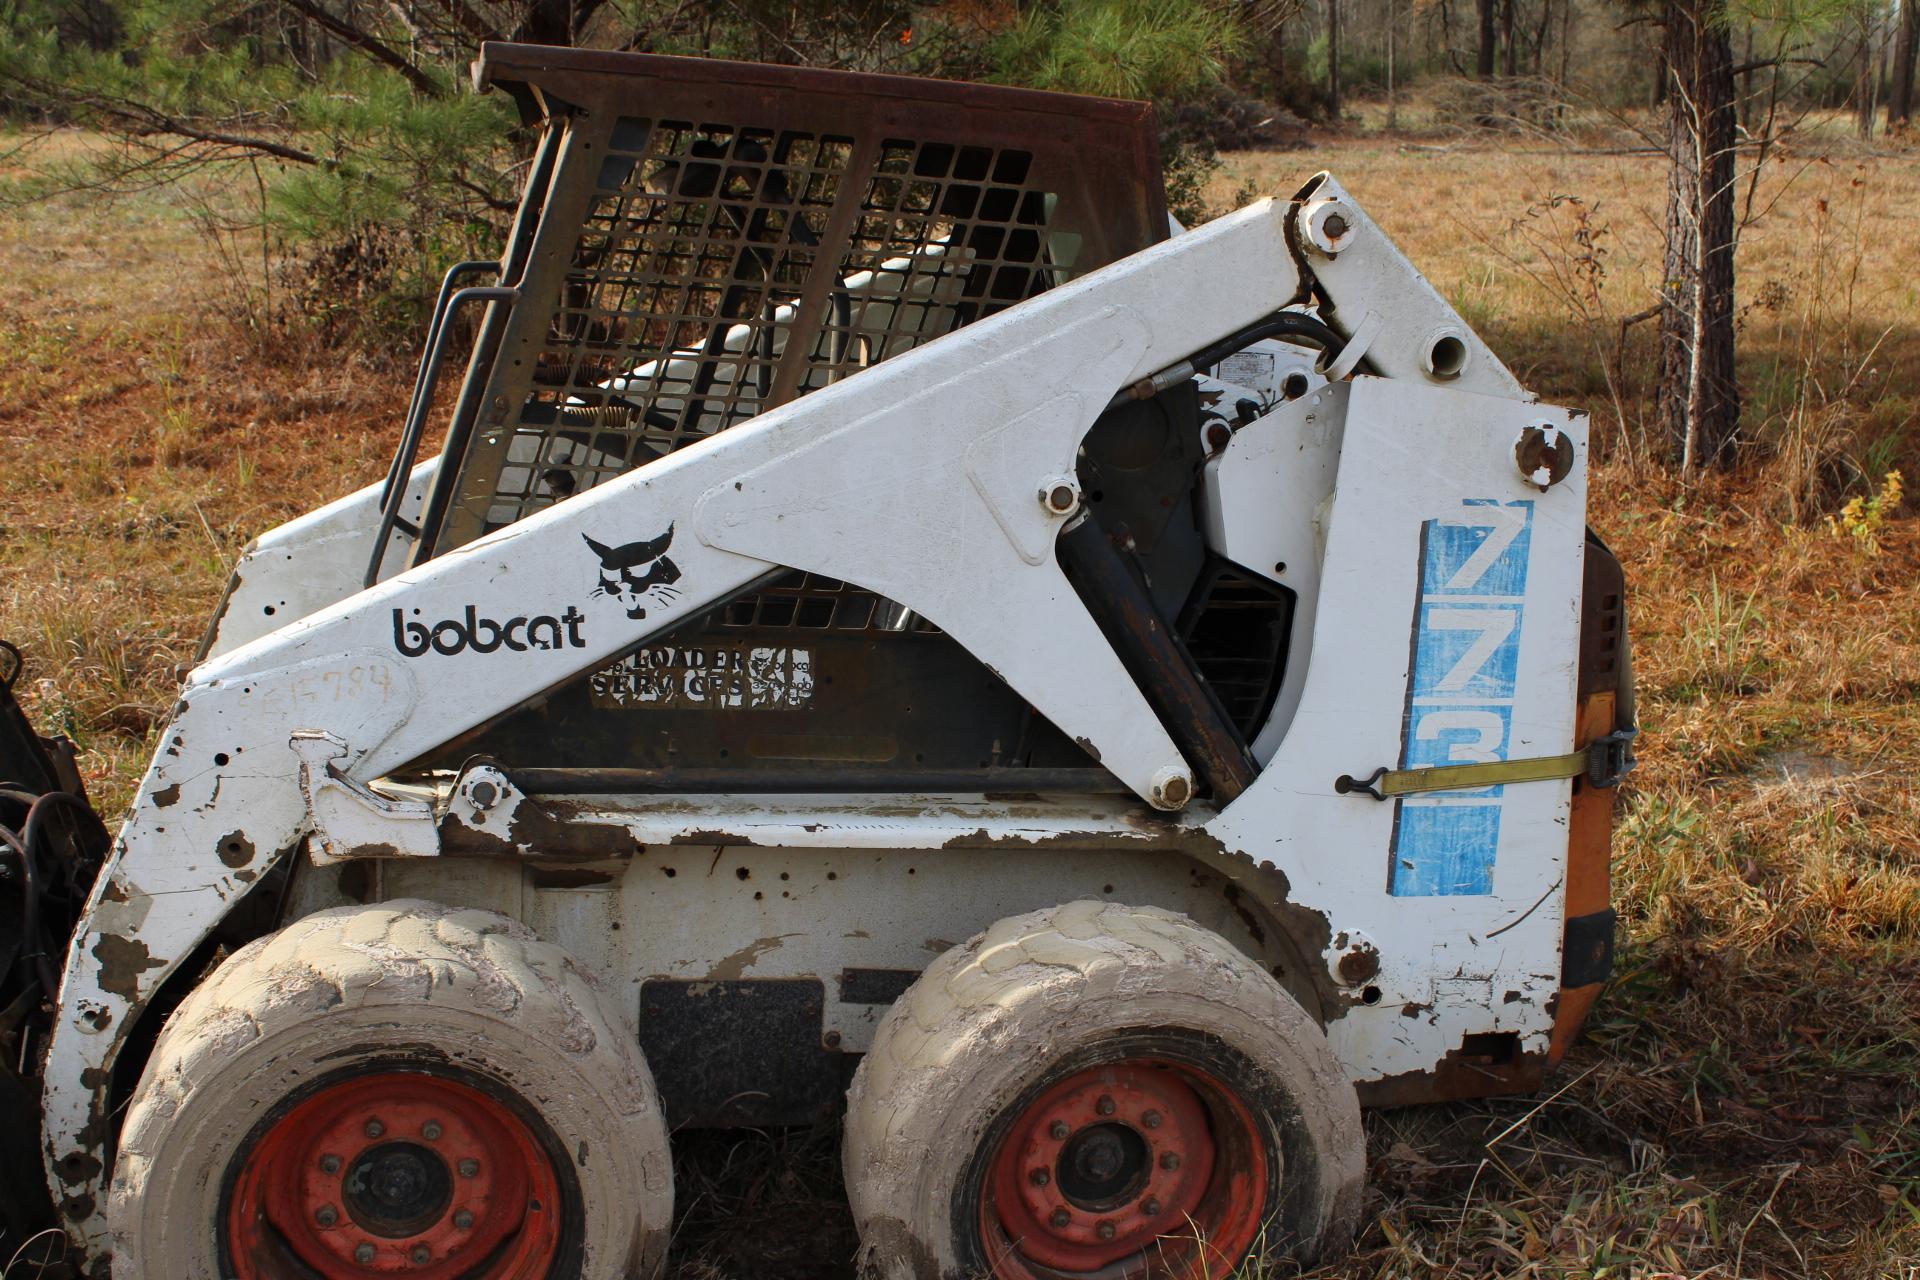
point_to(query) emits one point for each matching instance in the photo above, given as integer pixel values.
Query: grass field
(1745, 1101)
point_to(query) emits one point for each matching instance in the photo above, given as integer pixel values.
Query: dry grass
(1744, 1103)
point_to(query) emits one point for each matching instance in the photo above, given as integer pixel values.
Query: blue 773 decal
(1466, 660)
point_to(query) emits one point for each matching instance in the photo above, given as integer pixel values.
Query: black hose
(1288, 324)
(27, 844)
(29, 916)
(1281, 324)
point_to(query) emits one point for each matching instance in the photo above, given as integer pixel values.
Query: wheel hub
(1103, 1166)
(1143, 1167)
(395, 1174)
(397, 1189)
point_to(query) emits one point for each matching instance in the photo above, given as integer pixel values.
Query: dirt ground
(1744, 1102)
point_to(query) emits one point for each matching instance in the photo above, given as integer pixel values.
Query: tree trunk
(1697, 399)
(1333, 60)
(1510, 54)
(1484, 64)
(1393, 99)
(1867, 83)
(1900, 90)
(1744, 98)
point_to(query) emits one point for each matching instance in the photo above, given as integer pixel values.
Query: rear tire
(401, 1087)
(1098, 1089)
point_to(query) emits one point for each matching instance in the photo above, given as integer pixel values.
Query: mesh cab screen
(719, 238)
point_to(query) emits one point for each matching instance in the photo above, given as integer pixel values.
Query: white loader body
(1438, 618)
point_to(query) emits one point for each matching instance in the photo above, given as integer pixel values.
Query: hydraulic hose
(29, 946)
(1281, 324)
(26, 844)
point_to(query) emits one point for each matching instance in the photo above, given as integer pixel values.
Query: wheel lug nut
(1171, 1160)
(374, 1129)
(1040, 1177)
(469, 1168)
(421, 1255)
(1060, 1130)
(430, 1131)
(363, 1255)
(1060, 1218)
(327, 1215)
(1151, 1119)
(329, 1164)
(1105, 1106)
(1150, 1207)
(463, 1219)
(1104, 1231)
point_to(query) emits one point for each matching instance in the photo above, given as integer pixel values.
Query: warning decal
(706, 677)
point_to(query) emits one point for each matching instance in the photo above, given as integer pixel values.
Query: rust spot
(710, 836)
(1360, 964)
(78, 1167)
(235, 849)
(735, 965)
(1466, 1072)
(166, 797)
(541, 829)
(122, 961)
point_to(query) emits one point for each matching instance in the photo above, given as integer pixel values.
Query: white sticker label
(717, 677)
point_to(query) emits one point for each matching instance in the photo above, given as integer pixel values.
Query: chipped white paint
(308, 563)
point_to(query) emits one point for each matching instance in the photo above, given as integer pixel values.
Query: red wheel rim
(395, 1174)
(1142, 1167)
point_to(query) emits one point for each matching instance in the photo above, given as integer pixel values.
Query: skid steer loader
(895, 629)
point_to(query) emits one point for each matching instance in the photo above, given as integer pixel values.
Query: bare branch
(378, 50)
(469, 21)
(487, 197)
(141, 119)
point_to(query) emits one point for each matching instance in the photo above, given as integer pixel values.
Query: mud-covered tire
(463, 1007)
(973, 1078)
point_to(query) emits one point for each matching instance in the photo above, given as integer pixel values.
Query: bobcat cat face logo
(637, 573)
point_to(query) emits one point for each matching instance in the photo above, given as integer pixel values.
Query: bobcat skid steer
(895, 630)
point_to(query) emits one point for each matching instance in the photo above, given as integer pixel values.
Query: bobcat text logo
(637, 573)
(484, 635)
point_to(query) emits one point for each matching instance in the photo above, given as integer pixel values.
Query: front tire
(1098, 1090)
(396, 1089)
